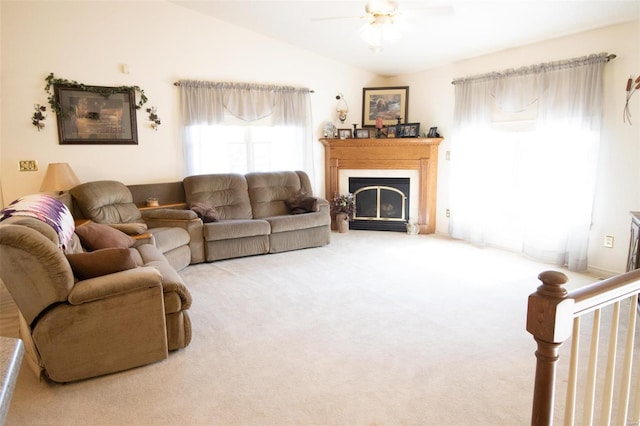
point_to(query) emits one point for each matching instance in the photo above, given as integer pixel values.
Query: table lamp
(59, 178)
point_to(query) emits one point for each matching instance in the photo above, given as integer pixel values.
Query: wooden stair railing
(553, 316)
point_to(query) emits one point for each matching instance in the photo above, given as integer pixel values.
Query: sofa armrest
(185, 219)
(169, 214)
(323, 205)
(114, 284)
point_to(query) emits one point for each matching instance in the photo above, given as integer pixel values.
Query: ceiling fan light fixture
(380, 33)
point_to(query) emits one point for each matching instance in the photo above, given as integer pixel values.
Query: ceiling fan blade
(435, 10)
(334, 18)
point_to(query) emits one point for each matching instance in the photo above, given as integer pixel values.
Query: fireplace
(417, 155)
(382, 203)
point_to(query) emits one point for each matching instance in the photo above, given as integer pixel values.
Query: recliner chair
(176, 233)
(75, 329)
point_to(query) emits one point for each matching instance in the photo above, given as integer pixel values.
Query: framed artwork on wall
(91, 118)
(387, 103)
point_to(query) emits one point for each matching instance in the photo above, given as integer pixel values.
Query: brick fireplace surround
(419, 154)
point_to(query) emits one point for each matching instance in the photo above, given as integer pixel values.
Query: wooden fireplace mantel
(419, 154)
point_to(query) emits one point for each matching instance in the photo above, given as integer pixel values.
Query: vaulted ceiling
(433, 33)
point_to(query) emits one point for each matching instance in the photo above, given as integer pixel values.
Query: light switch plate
(28, 165)
(608, 241)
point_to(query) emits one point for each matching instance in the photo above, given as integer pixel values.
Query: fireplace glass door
(381, 203)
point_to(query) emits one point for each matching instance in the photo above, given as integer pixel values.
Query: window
(526, 145)
(239, 128)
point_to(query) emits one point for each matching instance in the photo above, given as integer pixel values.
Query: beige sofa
(255, 215)
(104, 314)
(76, 327)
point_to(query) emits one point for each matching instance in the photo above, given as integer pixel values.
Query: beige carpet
(377, 328)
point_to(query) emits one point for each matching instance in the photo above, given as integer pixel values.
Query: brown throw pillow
(300, 203)
(100, 262)
(206, 212)
(95, 236)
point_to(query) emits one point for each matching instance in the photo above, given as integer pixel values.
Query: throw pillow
(95, 236)
(206, 212)
(100, 262)
(300, 203)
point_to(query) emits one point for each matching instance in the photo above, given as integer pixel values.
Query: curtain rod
(177, 83)
(608, 58)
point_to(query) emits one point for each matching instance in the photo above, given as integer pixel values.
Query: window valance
(205, 102)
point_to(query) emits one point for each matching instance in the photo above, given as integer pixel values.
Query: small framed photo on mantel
(344, 134)
(408, 130)
(362, 134)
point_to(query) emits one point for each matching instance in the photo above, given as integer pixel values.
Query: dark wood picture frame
(408, 130)
(388, 103)
(362, 134)
(345, 134)
(87, 117)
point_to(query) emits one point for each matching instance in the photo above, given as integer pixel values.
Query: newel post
(549, 320)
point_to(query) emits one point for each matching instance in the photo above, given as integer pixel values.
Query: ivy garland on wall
(100, 90)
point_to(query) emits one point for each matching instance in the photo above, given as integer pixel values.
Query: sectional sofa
(251, 214)
(112, 298)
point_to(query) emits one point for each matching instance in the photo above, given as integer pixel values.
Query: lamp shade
(59, 177)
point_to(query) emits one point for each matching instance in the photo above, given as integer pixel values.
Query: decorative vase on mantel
(342, 222)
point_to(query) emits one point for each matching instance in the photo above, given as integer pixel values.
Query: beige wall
(162, 43)
(618, 188)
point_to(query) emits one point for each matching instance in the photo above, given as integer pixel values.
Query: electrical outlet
(448, 213)
(28, 165)
(608, 241)
(448, 155)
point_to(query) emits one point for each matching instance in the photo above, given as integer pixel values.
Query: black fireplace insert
(382, 203)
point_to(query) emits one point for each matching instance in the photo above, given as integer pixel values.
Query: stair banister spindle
(625, 388)
(549, 320)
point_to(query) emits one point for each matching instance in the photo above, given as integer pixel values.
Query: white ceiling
(473, 28)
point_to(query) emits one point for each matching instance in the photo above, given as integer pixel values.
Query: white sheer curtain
(235, 127)
(524, 156)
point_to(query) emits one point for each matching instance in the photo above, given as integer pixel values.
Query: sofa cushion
(226, 192)
(95, 236)
(168, 238)
(268, 192)
(101, 262)
(130, 228)
(229, 229)
(297, 222)
(105, 201)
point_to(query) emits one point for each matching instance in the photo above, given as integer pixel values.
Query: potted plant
(344, 207)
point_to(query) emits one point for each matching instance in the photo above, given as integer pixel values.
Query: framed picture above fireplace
(391, 104)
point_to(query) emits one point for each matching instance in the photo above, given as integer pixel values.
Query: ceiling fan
(381, 28)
